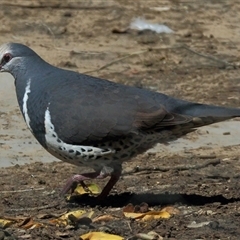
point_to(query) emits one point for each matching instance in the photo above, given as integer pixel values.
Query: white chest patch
(25, 99)
(75, 154)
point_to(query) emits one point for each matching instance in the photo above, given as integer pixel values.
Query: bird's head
(12, 56)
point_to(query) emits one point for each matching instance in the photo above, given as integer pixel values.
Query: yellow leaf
(155, 215)
(5, 223)
(76, 214)
(100, 236)
(133, 215)
(93, 189)
(148, 216)
(64, 219)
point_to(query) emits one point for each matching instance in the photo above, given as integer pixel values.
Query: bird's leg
(114, 173)
(112, 181)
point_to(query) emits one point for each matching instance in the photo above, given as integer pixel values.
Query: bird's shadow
(121, 200)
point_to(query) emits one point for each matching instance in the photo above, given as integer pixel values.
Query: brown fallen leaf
(28, 223)
(104, 218)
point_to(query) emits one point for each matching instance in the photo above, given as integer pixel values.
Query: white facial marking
(25, 99)
(68, 152)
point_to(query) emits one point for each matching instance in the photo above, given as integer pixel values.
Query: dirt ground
(198, 62)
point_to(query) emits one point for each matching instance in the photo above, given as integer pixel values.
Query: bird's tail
(180, 130)
(202, 114)
(217, 113)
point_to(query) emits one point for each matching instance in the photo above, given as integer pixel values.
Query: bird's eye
(7, 57)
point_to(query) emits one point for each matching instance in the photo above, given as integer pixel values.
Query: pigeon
(96, 123)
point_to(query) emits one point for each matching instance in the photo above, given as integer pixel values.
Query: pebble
(198, 225)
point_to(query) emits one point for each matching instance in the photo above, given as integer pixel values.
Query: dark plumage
(94, 122)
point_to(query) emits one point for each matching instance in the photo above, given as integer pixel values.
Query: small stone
(67, 14)
(198, 225)
(187, 34)
(226, 133)
(41, 182)
(209, 212)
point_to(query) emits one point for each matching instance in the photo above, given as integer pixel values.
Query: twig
(209, 57)
(51, 32)
(163, 48)
(184, 46)
(129, 226)
(10, 218)
(180, 167)
(117, 60)
(23, 190)
(56, 6)
(33, 209)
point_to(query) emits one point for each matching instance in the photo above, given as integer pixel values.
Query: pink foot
(72, 182)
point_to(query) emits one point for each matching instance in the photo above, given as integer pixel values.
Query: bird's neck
(30, 79)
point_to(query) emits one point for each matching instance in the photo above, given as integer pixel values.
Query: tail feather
(202, 121)
(216, 112)
(199, 110)
(196, 122)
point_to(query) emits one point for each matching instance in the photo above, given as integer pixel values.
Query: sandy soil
(198, 62)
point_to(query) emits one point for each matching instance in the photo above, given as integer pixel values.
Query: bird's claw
(70, 185)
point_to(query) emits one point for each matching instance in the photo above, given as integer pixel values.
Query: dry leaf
(133, 215)
(129, 212)
(5, 223)
(65, 219)
(148, 216)
(28, 223)
(155, 215)
(93, 189)
(100, 236)
(104, 218)
(149, 236)
(170, 210)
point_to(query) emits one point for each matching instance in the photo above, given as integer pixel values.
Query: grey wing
(104, 111)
